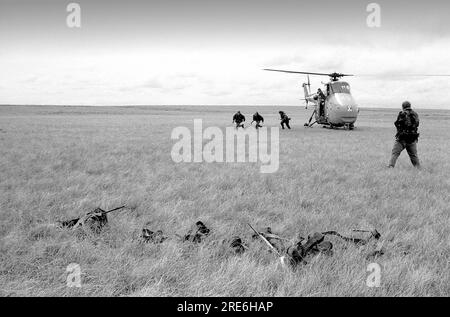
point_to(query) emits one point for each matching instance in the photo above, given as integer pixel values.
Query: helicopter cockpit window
(341, 87)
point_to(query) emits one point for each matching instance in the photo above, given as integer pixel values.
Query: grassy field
(60, 162)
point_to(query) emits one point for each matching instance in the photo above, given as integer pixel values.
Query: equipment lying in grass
(149, 236)
(315, 244)
(373, 234)
(237, 245)
(269, 237)
(287, 252)
(94, 220)
(201, 232)
(295, 253)
(379, 251)
(265, 238)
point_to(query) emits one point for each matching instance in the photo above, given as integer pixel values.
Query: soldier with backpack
(258, 119)
(284, 120)
(239, 118)
(407, 135)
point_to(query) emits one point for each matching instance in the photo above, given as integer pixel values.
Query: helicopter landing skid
(349, 127)
(307, 125)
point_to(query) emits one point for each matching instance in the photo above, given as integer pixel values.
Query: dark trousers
(322, 108)
(258, 124)
(285, 122)
(239, 124)
(411, 148)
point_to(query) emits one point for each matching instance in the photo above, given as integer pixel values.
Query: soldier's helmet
(406, 105)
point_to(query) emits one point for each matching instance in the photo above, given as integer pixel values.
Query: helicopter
(334, 107)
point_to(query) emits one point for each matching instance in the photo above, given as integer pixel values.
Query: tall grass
(60, 162)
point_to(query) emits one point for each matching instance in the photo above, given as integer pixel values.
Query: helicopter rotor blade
(403, 75)
(359, 75)
(398, 75)
(307, 73)
(294, 72)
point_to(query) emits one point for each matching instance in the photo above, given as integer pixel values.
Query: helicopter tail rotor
(307, 92)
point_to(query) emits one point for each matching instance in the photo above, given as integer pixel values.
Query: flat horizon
(200, 105)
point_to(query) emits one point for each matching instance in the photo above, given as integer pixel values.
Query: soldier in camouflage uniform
(284, 120)
(407, 135)
(239, 118)
(258, 119)
(320, 97)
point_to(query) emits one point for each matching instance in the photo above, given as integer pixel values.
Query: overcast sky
(212, 52)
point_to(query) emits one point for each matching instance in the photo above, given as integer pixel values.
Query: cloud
(229, 73)
(152, 84)
(218, 93)
(30, 79)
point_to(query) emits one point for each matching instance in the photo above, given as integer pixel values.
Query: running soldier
(239, 118)
(258, 119)
(284, 120)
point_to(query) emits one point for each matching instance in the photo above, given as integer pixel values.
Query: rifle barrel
(265, 241)
(107, 212)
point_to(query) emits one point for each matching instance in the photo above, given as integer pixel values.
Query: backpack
(407, 127)
(410, 121)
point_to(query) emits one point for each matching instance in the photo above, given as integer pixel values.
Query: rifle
(115, 209)
(358, 241)
(268, 244)
(78, 221)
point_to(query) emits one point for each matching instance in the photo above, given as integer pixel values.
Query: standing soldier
(258, 119)
(238, 118)
(321, 99)
(407, 135)
(284, 120)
